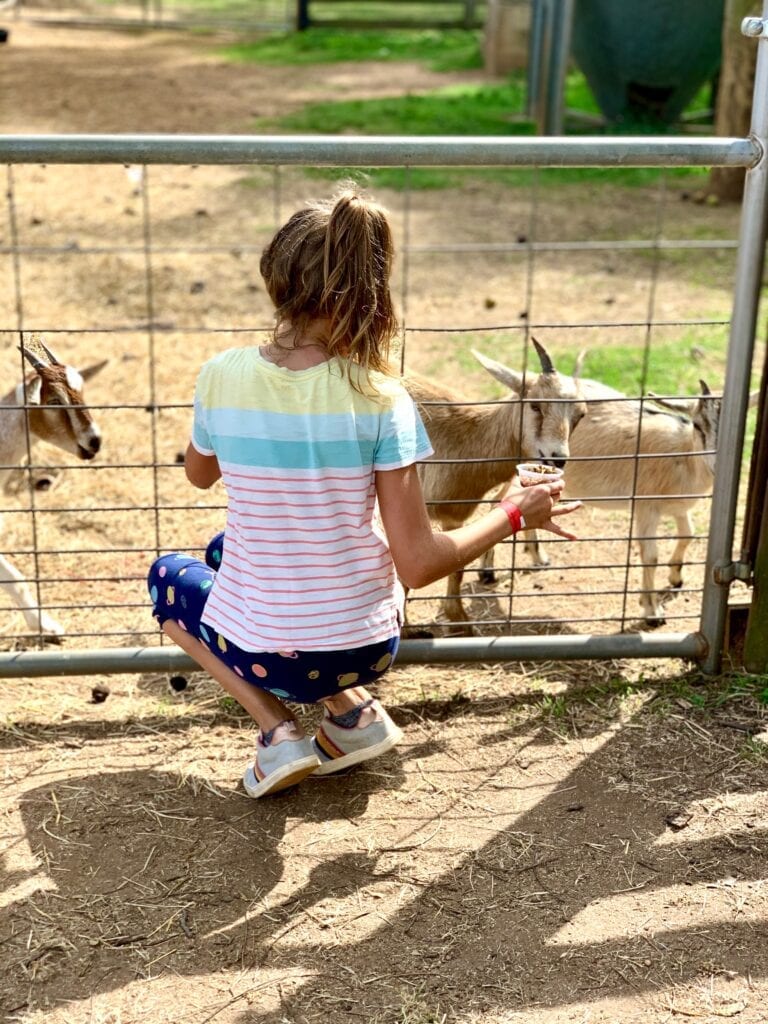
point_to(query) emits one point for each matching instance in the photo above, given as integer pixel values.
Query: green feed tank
(647, 60)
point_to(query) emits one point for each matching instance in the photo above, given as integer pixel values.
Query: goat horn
(704, 389)
(35, 360)
(579, 364)
(54, 360)
(546, 362)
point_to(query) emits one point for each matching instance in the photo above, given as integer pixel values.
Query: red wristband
(514, 515)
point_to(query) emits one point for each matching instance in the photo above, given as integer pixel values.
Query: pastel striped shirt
(304, 566)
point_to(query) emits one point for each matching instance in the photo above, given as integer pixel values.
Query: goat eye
(52, 401)
(536, 408)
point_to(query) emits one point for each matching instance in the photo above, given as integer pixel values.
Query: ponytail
(333, 261)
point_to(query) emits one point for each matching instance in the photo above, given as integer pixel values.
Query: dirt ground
(552, 842)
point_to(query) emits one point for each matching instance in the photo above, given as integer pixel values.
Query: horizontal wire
(162, 327)
(236, 250)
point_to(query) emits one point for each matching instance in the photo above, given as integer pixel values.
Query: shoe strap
(349, 719)
(265, 738)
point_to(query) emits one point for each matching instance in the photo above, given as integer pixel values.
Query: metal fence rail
(702, 644)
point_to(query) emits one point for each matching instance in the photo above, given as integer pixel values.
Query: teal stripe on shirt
(297, 426)
(272, 454)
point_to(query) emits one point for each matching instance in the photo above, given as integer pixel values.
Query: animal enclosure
(154, 266)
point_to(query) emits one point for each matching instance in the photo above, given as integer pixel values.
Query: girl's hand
(538, 505)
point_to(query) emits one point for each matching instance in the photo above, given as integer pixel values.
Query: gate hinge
(730, 571)
(755, 28)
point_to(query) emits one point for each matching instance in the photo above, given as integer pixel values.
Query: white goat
(614, 458)
(536, 423)
(47, 406)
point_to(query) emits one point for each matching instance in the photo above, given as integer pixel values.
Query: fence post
(302, 15)
(720, 567)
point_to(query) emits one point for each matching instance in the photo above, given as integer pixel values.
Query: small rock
(196, 287)
(99, 693)
(678, 820)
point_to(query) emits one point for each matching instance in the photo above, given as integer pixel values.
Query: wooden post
(733, 104)
(302, 15)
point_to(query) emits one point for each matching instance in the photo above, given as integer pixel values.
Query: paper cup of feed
(532, 473)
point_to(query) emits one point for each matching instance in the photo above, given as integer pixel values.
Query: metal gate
(148, 155)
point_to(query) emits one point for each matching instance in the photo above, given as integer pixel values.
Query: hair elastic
(514, 515)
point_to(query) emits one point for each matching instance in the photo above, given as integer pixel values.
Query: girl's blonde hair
(332, 260)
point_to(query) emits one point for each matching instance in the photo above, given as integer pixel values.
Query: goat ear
(547, 366)
(502, 373)
(91, 371)
(684, 405)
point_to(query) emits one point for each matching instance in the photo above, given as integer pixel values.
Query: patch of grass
(457, 110)
(670, 367)
(755, 750)
(437, 49)
(712, 693)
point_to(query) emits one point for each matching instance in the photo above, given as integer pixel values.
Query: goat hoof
(50, 628)
(416, 633)
(487, 577)
(675, 586)
(654, 621)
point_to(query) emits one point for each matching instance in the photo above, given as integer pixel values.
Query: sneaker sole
(288, 775)
(338, 764)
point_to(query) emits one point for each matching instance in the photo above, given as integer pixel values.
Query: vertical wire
(404, 279)
(277, 194)
(13, 224)
(661, 204)
(530, 275)
(151, 348)
(405, 265)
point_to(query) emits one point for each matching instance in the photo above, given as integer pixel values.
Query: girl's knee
(214, 551)
(158, 571)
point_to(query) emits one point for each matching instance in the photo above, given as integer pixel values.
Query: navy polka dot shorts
(179, 585)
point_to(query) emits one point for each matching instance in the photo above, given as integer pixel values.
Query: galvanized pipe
(382, 151)
(749, 273)
(688, 646)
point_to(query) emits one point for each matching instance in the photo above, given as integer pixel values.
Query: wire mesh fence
(155, 268)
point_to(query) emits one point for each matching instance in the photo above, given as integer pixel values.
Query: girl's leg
(349, 700)
(264, 708)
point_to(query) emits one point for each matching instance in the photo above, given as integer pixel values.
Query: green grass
(670, 366)
(469, 110)
(437, 49)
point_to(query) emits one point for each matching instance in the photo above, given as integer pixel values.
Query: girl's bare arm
(202, 470)
(423, 555)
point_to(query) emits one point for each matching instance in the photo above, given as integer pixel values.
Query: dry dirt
(552, 842)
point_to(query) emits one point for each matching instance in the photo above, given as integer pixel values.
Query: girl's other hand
(538, 505)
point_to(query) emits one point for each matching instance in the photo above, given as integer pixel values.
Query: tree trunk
(733, 106)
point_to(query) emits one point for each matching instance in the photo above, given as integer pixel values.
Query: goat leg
(12, 582)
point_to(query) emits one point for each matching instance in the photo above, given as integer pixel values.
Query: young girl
(299, 598)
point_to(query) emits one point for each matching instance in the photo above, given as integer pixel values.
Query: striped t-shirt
(304, 567)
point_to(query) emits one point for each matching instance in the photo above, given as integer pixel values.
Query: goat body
(477, 446)
(613, 458)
